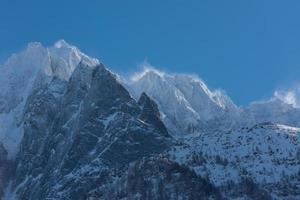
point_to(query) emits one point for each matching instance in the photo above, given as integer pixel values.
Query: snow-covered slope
(267, 153)
(189, 106)
(16, 79)
(64, 58)
(74, 120)
(24, 71)
(186, 102)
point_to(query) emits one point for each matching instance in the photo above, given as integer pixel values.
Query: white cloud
(289, 96)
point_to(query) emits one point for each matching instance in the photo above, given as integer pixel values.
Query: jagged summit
(58, 60)
(146, 102)
(188, 105)
(23, 72)
(147, 72)
(63, 44)
(196, 105)
(64, 58)
(183, 82)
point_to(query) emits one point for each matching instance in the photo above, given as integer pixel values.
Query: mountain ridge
(75, 130)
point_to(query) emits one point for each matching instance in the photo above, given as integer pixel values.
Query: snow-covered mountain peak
(59, 60)
(16, 79)
(62, 44)
(19, 70)
(148, 73)
(197, 87)
(67, 50)
(26, 70)
(184, 82)
(64, 59)
(34, 45)
(31, 52)
(195, 103)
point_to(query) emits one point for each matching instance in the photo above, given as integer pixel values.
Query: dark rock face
(150, 113)
(3, 158)
(6, 169)
(74, 131)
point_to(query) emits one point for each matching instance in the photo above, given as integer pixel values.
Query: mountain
(72, 129)
(78, 121)
(186, 103)
(21, 73)
(189, 106)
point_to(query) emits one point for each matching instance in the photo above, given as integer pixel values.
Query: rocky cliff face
(78, 128)
(7, 168)
(150, 113)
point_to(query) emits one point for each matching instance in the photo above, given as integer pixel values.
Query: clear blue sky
(246, 47)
